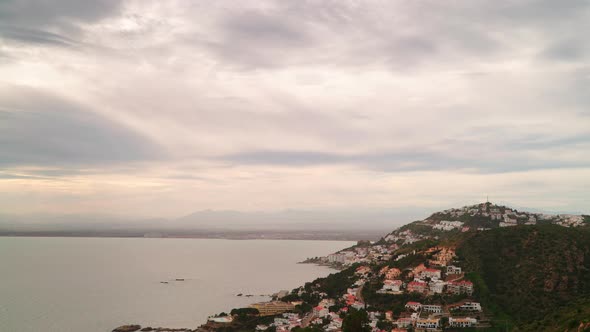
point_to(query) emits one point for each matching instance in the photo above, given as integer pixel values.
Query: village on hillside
(433, 281)
(426, 288)
(480, 217)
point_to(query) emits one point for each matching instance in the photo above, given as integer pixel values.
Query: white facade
(336, 258)
(433, 308)
(462, 322)
(429, 324)
(453, 269)
(446, 225)
(413, 305)
(470, 306)
(430, 273)
(436, 287)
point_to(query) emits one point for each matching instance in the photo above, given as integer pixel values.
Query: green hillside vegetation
(527, 277)
(534, 277)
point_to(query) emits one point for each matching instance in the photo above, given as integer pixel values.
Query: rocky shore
(207, 327)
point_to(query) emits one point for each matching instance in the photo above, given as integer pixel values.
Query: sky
(162, 108)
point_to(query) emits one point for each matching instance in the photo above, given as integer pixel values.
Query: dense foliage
(527, 278)
(334, 284)
(356, 321)
(526, 274)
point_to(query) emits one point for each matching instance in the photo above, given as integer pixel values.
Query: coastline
(119, 279)
(211, 325)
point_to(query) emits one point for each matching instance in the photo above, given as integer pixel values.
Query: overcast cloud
(159, 109)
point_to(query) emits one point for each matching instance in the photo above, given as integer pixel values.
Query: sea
(54, 284)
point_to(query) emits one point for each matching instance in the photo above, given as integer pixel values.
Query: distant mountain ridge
(313, 224)
(296, 219)
(291, 219)
(285, 224)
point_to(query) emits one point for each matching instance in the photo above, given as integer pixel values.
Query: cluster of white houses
(434, 312)
(505, 217)
(426, 281)
(441, 277)
(362, 254)
(437, 275)
(327, 315)
(434, 286)
(405, 237)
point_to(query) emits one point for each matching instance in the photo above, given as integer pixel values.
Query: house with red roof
(362, 270)
(350, 299)
(389, 315)
(393, 273)
(391, 286)
(418, 269)
(320, 311)
(417, 286)
(413, 305)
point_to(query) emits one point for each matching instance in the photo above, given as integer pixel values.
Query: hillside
(479, 217)
(483, 267)
(531, 275)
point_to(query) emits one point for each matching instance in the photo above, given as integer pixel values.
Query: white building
(392, 286)
(436, 286)
(446, 225)
(433, 308)
(509, 220)
(414, 306)
(453, 269)
(320, 311)
(470, 306)
(462, 322)
(404, 322)
(337, 258)
(430, 273)
(427, 323)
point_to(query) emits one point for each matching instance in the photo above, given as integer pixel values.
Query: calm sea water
(97, 284)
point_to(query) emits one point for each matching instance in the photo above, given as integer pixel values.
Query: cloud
(54, 23)
(62, 12)
(571, 50)
(7, 176)
(39, 128)
(35, 36)
(404, 35)
(177, 106)
(518, 158)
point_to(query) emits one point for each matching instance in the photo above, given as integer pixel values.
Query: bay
(97, 284)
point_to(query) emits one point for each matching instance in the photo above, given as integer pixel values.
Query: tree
(384, 325)
(244, 312)
(356, 321)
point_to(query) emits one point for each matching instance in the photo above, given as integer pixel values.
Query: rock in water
(127, 328)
